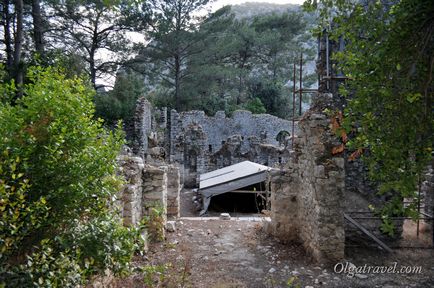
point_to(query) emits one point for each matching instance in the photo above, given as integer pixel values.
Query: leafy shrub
(154, 223)
(120, 103)
(255, 106)
(58, 178)
(104, 244)
(18, 217)
(47, 267)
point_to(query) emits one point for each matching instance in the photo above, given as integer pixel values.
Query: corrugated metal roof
(230, 173)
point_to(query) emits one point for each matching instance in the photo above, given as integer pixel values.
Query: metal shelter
(229, 179)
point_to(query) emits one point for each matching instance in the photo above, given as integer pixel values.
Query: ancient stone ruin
(312, 188)
(197, 143)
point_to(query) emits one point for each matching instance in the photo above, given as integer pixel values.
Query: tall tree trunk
(37, 27)
(7, 36)
(177, 84)
(18, 67)
(92, 70)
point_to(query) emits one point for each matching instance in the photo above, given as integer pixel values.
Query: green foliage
(293, 282)
(255, 106)
(58, 178)
(388, 57)
(120, 103)
(104, 243)
(154, 275)
(154, 223)
(46, 267)
(222, 57)
(19, 217)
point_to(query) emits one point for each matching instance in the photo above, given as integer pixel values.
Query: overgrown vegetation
(389, 62)
(57, 183)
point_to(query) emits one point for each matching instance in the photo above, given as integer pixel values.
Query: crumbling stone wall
(201, 143)
(307, 196)
(197, 143)
(142, 127)
(130, 197)
(360, 192)
(147, 187)
(173, 191)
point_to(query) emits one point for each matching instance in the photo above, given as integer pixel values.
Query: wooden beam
(363, 229)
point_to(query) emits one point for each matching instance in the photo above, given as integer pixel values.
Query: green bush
(104, 244)
(255, 106)
(57, 182)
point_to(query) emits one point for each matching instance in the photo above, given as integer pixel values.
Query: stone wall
(360, 192)
(201, 143)
(173, 191)
(307, 196)
(142, 127)
(131, 194)
(147, 187)
(197, 143)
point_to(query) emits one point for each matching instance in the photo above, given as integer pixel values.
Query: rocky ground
(209, 252)
(212, 253)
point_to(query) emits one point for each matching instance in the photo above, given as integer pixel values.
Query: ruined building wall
(200, 143)
(147, 187)
(173, 191)
(197, 143)
(307, 196)
(130, 197)
(142, 127)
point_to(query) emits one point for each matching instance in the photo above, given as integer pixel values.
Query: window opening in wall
(282, 136)
(191, 161)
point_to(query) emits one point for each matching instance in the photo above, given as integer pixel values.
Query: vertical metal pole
(327, 62)
(418, 208)
(293, 105)
(300, 90)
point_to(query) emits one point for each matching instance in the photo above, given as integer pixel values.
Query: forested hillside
(239, 57)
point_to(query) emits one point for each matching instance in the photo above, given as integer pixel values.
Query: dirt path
(236, 253)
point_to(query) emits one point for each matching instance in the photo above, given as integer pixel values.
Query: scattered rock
(272, 270)
(225, 216)
(209, 231)
(171, 226)
(316, 281)
(295, 273)
(308, 287)
(361, 276)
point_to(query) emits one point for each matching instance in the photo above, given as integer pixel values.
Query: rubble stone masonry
(307, 196)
